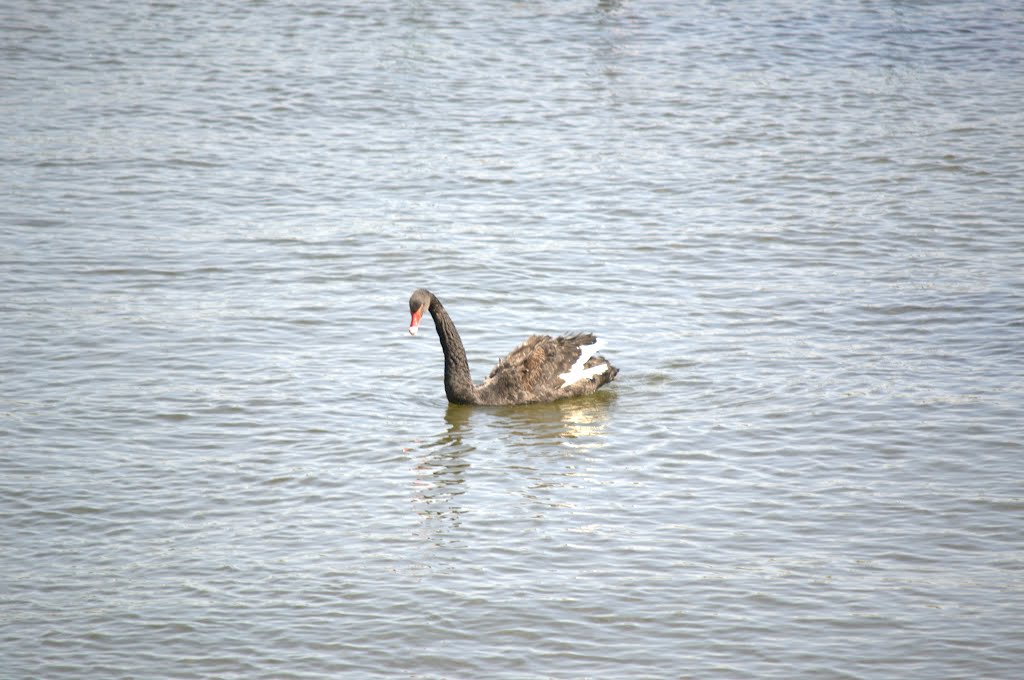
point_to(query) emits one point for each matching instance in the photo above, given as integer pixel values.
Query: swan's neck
(458, 383)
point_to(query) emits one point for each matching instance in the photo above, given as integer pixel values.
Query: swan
(541, 369)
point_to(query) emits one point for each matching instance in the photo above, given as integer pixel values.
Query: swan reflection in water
(546, 440)
(441, 473)
(575, 423)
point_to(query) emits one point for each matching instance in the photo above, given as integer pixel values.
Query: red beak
(414, 324)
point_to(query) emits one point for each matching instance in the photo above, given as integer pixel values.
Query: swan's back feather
(536, 370)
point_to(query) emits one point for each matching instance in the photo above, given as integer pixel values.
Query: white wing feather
(577, 372)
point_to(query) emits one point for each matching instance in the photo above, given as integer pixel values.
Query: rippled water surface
(799, 225)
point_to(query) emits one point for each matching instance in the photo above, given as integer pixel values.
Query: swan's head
(418, 303)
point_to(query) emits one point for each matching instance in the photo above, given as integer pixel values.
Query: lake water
(799, 226)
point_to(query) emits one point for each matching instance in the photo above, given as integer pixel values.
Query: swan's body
(542, 368)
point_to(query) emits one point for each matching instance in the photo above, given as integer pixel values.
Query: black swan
(541, 369)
